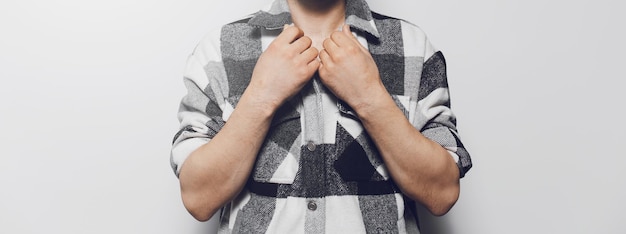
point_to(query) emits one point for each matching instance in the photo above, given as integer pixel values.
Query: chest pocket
(278, 158)
(358, 158)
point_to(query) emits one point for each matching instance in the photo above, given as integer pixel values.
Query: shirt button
(310, 146)
(312, 206)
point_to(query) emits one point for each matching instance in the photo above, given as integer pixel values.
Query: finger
(302, 43)
(289, 35)
(348, 32)
(330, 46)
(314, 65)
(346, 29)
(309, 55)
(341, 38)
(325, 58)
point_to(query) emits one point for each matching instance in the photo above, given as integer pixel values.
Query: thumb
(346, 30)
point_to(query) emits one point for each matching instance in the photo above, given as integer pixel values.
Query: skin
(216, 172)
(423, 169)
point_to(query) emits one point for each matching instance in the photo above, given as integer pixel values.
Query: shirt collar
(358, 16)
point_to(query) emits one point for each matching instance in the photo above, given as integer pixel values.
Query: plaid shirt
(318, 170)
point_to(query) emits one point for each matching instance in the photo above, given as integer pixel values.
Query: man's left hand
(348, 69)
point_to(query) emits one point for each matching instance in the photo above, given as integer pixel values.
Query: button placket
(310, 146)
(315, 218)
(312, 206)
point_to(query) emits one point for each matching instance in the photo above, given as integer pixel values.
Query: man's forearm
(422, 168)
(217, 171)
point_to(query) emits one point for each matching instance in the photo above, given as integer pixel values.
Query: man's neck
(318, 17)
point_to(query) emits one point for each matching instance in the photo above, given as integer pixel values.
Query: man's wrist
(257, 105)
(368, 108)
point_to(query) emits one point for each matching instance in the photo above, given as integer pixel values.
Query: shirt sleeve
(435, 118)
(202, 110)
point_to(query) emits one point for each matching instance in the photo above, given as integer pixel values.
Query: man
(317, 116)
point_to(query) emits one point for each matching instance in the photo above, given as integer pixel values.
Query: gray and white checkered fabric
(318, 170)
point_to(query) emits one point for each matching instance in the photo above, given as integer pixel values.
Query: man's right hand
(284, 68)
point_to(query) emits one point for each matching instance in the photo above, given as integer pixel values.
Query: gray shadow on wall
(208, 227)
(430, 224)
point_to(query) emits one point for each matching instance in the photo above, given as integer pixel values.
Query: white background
(89, 92)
